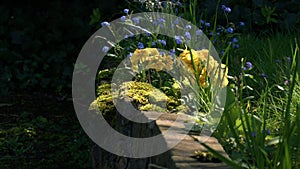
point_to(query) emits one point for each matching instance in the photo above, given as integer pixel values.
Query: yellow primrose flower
(205, 66)
(203, 78)
(221, 75)
(156, 65)
(168, 60)
(187, 58)
(152, 59)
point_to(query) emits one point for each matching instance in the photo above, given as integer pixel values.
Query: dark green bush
(40, 42)
(260, 16)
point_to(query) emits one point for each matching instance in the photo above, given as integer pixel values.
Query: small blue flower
(235, 40)
(178, 40)
(268, 132)
(105, 24)
(263, 75)
(248, 65)
(176, 21)
(222, 52)
(242, 23)
(126, 11)
(188, 35)
(253, 133)
(188, 27)
(164, 4)
(202, 21)
(207, 24)
(199, 32)
(162, 53)
(153, 44)
(105, 49)
(227, 10)
(123, 18)
(163, 42)
(219, 29)
(148, 34)
(161, 20)
(136, 20)
(180, 4)
(172, 51)
(230, 30)
(141, 45)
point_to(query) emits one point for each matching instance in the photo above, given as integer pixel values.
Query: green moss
(105, 74)
(152, 107)
(139, 92)
(144, 95)
(104, 101)
(104, 89)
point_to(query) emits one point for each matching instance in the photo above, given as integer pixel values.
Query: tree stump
(179, 157)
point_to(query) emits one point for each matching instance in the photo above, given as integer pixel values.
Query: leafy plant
(252, 139)
(269, 14)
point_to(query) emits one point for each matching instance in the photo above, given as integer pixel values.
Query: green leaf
(95, 17)
(265, 154)
(273, 141)
(273, 20)
(287, 163)
(230, 99)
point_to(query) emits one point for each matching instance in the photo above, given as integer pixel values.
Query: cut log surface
(179, 156)
(182, 153)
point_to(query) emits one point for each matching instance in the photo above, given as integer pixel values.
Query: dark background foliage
(260, 16)
(40, 40)
(39, 44)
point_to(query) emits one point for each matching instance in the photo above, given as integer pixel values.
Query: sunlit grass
(261, 128)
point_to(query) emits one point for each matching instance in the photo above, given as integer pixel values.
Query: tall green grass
(261, 123)
(260, 126)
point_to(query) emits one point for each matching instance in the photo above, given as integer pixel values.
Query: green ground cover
(38, 131)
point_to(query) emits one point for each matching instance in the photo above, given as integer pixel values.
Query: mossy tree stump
(181, 156)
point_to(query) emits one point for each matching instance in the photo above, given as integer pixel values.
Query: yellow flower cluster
(151, 59)
(205, 66)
